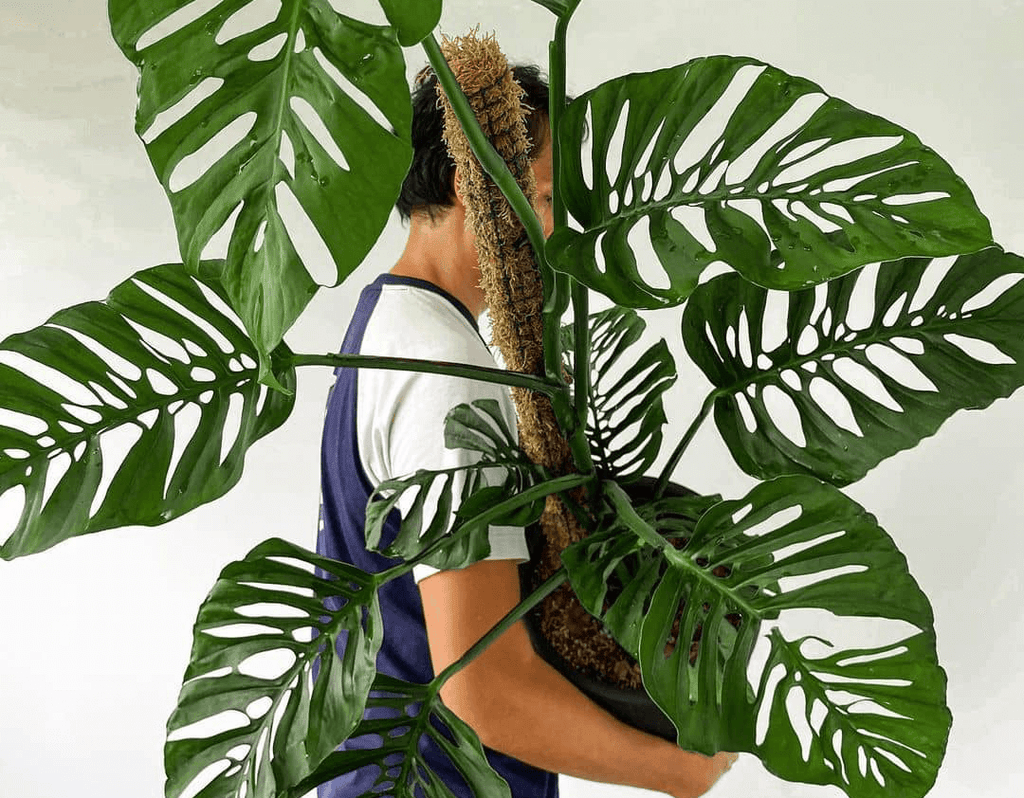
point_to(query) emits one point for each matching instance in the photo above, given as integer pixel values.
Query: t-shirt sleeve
(400, 420)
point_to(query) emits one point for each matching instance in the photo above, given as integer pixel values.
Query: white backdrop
(95, 634)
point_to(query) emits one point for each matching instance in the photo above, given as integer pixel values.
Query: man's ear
(460, 198)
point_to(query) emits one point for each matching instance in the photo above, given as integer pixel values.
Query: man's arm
(521, 706)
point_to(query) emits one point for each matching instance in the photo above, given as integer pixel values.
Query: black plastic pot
(632, 706)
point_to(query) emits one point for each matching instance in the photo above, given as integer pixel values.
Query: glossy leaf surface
(134, 410)
(252, 718)
(868, 719)
(273, 129)
(729, 160)
(413, 19)
(414, 746)
(445, 501)
(626, 413)
(832, 380)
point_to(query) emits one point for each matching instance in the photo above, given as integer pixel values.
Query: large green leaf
(471, 490)
(403, 722)
(96, 405)
(872, 718)
(730, 160)
(625, 410)
(831, 380)
(413, 19)
(269, 85)
(267, 695)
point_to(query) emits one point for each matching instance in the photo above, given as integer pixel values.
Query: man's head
(429, 186)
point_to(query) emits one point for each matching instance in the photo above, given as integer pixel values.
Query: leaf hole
(268, 665)
(837, 154)
(196, 164)
(767, 701)
(977, 349)
(796, 709)
(991, 292)
(784, 414)
(115, 445)
(186, 422)
(859, 377)
(899, 367)
(169, 116)
(235, 631)
(774, 522)
(709, 130)
(174, 22)
(357, 95)
(264, 609)
(311, 247)
(778, 136)
(315, 126)
(614, 160)
(232, 426)
(790, 584)
(268, 50)
(934, 273)
(49, 377)
(835, 405)
(250, 17)
(746, 414)
(913, 199)
(228, 720)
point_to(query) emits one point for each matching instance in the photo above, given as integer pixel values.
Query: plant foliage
(240, 114)
(702, 601)
(860, 368)
(95, 405)
(730, 160)
(282, 662)
(627, 415)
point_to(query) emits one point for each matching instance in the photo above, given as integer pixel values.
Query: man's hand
(710, 771)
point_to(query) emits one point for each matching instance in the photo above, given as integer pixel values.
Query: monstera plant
(842, 295)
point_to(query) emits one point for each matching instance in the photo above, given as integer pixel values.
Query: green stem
(580, 298)
(677, 453)
(628, 516)
(493, 164)
(500, 376)
(518, 612)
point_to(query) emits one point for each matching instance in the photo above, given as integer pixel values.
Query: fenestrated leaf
(626, 414)
(730, 160)
(874, 716)
(447, 500)
(247, 101)
(282, 662)
(413, 19)
(830, 381)
(96, 405)
(409, 746)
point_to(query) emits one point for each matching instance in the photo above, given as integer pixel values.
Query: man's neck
(441, 253)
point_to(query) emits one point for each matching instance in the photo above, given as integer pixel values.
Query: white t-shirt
(400, 415)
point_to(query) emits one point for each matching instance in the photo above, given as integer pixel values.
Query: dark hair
(428, 185)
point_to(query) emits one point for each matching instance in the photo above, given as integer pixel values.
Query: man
(383, 424)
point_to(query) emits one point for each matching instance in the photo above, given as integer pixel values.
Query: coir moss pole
(512, 284)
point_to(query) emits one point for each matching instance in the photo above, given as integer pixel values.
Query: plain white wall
(95, 634)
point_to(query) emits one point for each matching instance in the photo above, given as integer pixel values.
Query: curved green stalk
(514, 616)
(580, 295)
(515, 379)
(677, 453)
